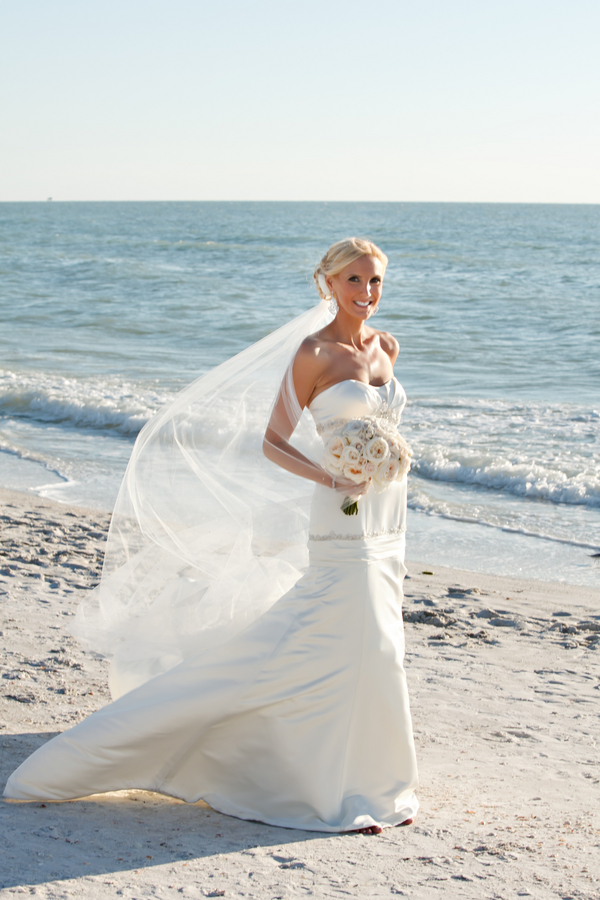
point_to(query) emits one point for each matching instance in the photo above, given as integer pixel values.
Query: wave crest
(531, 450)
(96, 402)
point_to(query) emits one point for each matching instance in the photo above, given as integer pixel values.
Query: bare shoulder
(389, 345)
(310, 346)
(313, 353)
(311, 361)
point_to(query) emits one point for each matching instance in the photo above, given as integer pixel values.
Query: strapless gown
(302, 720)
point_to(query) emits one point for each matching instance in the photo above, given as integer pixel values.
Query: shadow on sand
(116, 832)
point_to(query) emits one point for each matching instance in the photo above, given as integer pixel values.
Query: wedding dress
(301, 719)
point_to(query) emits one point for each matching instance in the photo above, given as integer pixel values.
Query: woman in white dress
(272, 694)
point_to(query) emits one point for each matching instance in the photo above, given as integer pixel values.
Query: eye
(376, 280)
(354, 278)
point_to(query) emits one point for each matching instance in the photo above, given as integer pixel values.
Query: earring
(333, 305)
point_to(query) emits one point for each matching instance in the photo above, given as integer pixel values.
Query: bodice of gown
(380, 515)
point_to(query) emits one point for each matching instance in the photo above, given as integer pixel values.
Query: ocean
(107, 309)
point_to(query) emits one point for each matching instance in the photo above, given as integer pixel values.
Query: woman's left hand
(350, 488)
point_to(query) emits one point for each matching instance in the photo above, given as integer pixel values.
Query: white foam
(95, 402)
(521, 468)
(523, 479)
(535, 451)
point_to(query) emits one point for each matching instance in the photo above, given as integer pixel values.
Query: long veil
(206, 533)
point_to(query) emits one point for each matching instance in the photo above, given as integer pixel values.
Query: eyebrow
(356, 275)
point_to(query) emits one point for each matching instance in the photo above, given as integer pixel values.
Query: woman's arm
(283, 454)
(294, 394)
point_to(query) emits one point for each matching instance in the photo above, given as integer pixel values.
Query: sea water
(107, 309)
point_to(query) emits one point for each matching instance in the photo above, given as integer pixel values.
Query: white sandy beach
(504, 677)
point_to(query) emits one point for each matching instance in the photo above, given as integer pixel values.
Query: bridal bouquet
(368, 449)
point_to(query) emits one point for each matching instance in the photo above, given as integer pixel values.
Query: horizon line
(391, 202)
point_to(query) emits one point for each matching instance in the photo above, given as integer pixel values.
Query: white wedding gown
(301, 720)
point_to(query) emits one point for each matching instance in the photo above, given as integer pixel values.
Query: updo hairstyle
(340, 255)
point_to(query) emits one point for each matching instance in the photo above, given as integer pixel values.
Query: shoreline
(503, 677)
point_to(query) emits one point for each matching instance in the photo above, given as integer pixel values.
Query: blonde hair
(340, 255)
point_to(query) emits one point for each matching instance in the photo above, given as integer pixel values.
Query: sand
(504, 676)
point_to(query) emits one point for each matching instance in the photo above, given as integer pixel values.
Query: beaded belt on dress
(362, 536)
(356, 549)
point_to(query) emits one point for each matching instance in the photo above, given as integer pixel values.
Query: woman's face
(357, 288)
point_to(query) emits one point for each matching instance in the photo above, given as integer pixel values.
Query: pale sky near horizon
(427, 100)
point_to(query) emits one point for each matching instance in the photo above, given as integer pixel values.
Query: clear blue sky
(460, 100)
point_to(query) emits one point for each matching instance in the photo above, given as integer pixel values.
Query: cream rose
(377, 449)
(385, 474)
(404, 465)
(333, 464)
(369, 468)
(353, 428)
(354, 472)
(394, 445)
(350, 454)
(335, 447)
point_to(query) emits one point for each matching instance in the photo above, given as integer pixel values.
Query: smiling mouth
(363, 305)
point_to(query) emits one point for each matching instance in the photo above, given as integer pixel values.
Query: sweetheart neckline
(355, 381)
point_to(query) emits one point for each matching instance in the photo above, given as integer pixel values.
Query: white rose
(404, 465)
(333, 464)
(369, 468)
(377, 449)
(385, 474)
(404, 455)
(350, 454)
(335, 446)
(353, 428)
(395, 447)
(354, 472)
(389, 471)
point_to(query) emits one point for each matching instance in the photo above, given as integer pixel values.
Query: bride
(243, 674)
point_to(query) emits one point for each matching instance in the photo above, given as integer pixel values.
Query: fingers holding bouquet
(351, 490)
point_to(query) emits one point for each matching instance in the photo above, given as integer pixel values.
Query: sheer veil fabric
(206, 534)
